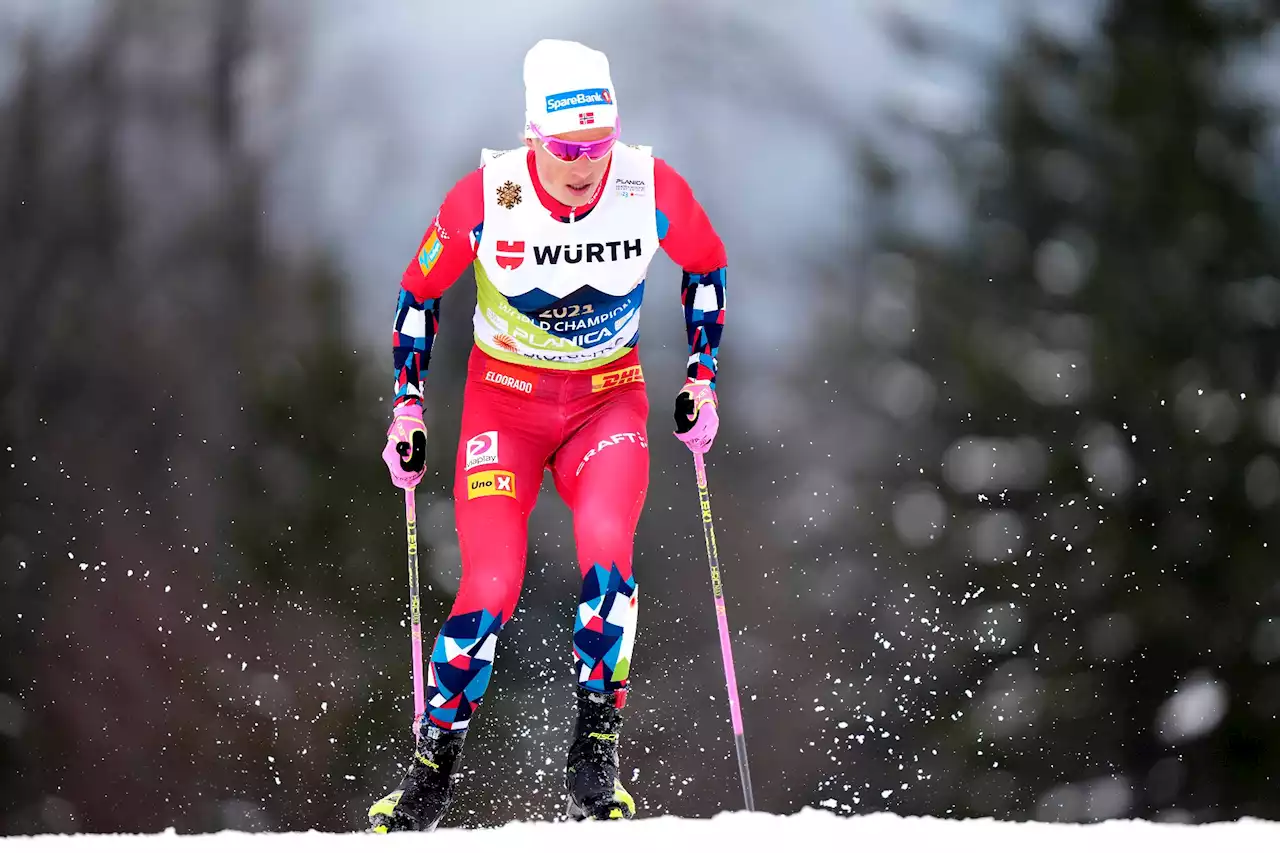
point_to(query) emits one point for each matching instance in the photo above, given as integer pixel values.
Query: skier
(561, 233)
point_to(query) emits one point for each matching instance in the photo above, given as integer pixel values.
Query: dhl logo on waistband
(614, 378)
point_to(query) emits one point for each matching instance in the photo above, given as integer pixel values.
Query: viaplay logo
(578, 98)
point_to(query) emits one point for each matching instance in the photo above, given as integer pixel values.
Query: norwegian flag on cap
(586, 118)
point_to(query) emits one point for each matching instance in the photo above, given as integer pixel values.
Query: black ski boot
(591, 776)
(425, 793)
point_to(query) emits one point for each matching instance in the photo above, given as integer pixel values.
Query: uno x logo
(487, 483)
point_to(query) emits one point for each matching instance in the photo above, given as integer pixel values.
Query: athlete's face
(573, 183)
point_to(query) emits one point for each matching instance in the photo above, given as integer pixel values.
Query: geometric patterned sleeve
(417, 322)
(445, 251)
(703, 298)
(687, 236)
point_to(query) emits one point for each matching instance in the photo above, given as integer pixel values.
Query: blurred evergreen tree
(189, 408)
(1073, 410)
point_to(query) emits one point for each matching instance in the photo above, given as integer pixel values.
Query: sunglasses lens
(570, 151)
(597, 150)
(565, 150)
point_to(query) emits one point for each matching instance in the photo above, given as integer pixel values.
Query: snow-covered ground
(725, 833)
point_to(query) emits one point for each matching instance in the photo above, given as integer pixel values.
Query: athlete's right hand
(406, 450)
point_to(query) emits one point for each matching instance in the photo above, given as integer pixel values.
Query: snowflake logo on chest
(509, 194)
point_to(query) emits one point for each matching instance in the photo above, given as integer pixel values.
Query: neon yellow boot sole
(623, 807)
(382, 812)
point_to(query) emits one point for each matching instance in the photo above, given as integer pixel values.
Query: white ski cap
(567, 87)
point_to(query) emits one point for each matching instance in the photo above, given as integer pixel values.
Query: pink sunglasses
(594, 151)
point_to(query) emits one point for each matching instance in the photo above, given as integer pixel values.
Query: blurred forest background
(997, 477)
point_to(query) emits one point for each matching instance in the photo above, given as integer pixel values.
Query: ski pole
(726, 652)
(415, 607)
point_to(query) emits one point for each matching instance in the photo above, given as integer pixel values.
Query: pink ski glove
(697, 418)
(406, 450)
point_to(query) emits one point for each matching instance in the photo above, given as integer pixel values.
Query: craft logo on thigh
(482, 450)
(616, 438)
(614, 378)
(487, 483)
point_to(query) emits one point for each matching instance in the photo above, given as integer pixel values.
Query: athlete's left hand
(697, 415)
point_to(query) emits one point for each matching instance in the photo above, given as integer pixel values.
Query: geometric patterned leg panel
(461, 663)
(604, 631)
